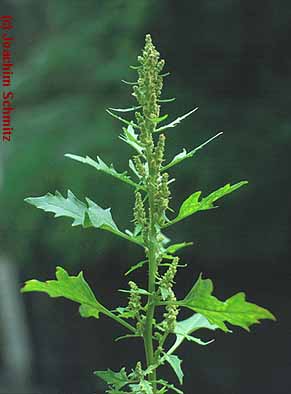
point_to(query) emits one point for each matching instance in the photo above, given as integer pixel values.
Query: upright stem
(148, 334)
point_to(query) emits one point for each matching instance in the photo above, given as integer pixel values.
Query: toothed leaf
(103, 167)
(184, 155)
(175, 363)
(115, 379)
(69, 207)
(101, 218)
(74, 288)
(235, 310)
(131, 138)
(194, 204)
(186, 327)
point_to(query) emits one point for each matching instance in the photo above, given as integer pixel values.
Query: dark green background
(230, 58)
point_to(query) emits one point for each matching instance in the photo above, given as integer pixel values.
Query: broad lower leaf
(175, 363)
(103, 167)
(194, 204)
(74, 288)
(70, 207)
(115, 379)
(235, 310)
(87, 216)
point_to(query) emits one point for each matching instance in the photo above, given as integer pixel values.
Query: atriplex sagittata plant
(150, 183)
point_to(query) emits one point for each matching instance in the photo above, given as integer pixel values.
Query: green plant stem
(148, 334)
(119, 320)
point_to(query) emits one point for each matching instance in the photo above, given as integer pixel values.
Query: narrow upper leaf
(126, 109)
(103, 167)
(70, 207)
(184, 155)
(175, 247)
(176, 121)
(235, 310)
(74, 288)
(135, 267)
(194, 204)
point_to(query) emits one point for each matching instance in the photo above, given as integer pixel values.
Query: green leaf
(115, 379)
(103, 167)
(74, 288)
(159, 119)
(164, 383)
(131, 138)
(91, 216)
(166, 100)
(175, 363)
(101, 218)
(186, 327)
(135, 267)
(129, 123)
(143, 387)
(235, 310)
(194, 204)
(184, 155)
(126, 109)
(172, 249)
(70, 207)
(176, 121)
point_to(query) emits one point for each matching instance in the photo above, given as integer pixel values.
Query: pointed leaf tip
(235, 310)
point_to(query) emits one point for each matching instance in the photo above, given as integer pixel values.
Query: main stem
(148, 334)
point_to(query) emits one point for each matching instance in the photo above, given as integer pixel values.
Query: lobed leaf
(235, 310)
(116, 379)
(101, 218)
(103, 167)
(175, 362)
(70, 207)
(87, 216)
(186, 327)
(74, 288)
(131, 138)
(194, 204)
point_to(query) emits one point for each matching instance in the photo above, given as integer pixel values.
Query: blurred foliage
(229, 58)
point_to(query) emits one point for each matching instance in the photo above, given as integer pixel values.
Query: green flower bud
(139, 166)
(139, 211)
(159, 151)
